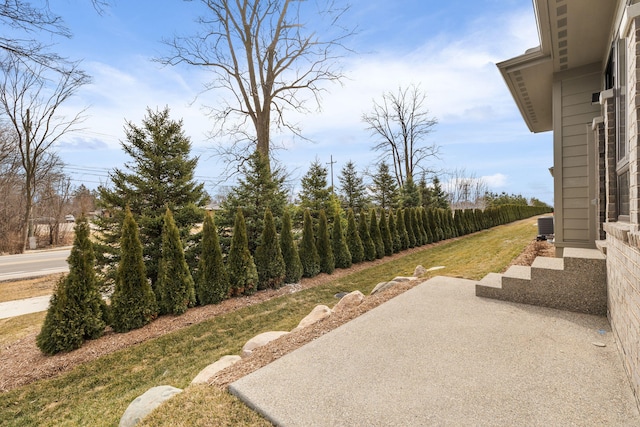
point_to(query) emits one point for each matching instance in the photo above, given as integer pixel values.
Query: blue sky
(449, 48)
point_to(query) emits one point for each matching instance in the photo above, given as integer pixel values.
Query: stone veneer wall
(623, 239)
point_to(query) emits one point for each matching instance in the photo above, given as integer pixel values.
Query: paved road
(33, 264)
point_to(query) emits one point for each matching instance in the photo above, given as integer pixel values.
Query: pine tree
(393, 230)
(353, 192)
(308, 253)
(341, 251)
(269, 260)
(315, 195)
(133, 303)
(433, 197)
(385, 234)
(325, 251)
(367, 242)
(293, 270)
(384, 189)
(259, 188)
(212, 284)
(410, 194)
(175, 284)
(354, 242)
(76, 311)
(243, 276)
(402, 230)
(160, 174)
(408, 223)
(376, 236)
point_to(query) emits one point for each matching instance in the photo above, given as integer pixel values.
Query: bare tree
(401, 123)
(263, 56)
(53, 200)
(11, 194)
(30, 100)
(465, 190)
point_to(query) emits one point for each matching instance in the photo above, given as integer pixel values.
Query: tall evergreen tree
(421, 237)
(354, 242)
(410, 194)
(402, 229)
(376, 236)
(408, 223)
(133, 303)
(269, 260)
(353, 192)
(315, 195)
(76, 310)
(433, 197)
(341, 252)
(293, 267)
(427, 225)
(367, 242)
(175, 287)
(393, 230)
(212, 284)
(259, 188)
(384, 189)
(160, 174)
(323, 244)
(385, 234)
(243, 276)
(308, 252)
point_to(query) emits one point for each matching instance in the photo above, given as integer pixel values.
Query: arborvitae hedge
(402, 230)
(408, 223)
(354, 242)
(308, 252)
(133, 303)
(293, 267)
(76, 310)
(175, 284)
(376, 236)
(367, 241)
(341, 252)
(421, 237)
(323, 244)
(269, 260)
(395, 237)
(427, 225)
(243, 276)
(212, 284)
(386, 234)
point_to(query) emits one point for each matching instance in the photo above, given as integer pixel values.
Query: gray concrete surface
(24, 306)
(439, 355)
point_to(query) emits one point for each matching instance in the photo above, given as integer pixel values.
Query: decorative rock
(207, 373)
(318, 313)
(349, 301)
(260, 340)
(382, 286)
(401, 279)
(419, 271)
(340, 295)
(145, 403)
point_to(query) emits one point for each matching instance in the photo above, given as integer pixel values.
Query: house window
(622, 145)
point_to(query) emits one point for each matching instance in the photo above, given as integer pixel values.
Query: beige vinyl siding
(576, 112)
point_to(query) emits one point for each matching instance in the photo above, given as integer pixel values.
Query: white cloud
(496, 180)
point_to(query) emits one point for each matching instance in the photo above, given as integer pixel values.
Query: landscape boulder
(142, 405)
(419, 271)
(349, 301)
(260, 340)
(207, 373)
(317, 314)
(383, 286)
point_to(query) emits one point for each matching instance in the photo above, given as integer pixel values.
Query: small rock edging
(144, 404)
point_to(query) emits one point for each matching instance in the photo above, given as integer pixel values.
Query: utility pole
(331, 164)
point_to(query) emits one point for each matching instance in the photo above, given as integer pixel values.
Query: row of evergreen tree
(78, 312)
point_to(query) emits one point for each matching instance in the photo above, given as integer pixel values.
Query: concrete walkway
(439, 355)
(24, 306)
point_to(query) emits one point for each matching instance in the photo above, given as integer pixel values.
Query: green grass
(97, 393)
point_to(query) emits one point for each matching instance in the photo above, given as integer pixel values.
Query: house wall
(623, 238)
(574, 157)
